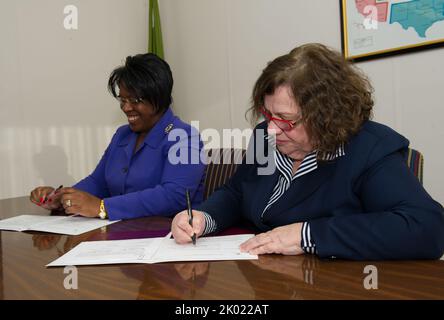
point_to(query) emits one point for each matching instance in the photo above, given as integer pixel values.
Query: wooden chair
(222, 165)
(415, 161)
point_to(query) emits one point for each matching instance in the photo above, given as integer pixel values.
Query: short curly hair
(335, 96)
(146, 76)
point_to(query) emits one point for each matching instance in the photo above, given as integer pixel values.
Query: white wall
(217, 50)
(56, 116)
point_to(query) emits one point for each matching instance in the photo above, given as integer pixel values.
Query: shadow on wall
(49, 174)
(35, 156)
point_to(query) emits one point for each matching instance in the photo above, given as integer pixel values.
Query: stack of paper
(71, 225)
(155, 250)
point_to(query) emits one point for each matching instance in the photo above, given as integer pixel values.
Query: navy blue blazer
(146, 183)
(365, 205)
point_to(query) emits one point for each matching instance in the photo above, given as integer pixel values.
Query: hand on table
(281, 240)
(79, 202)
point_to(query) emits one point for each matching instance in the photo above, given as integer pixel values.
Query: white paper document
(71, 225)
(155, 250)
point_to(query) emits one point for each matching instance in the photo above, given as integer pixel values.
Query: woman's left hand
(282, 240)
(79, 202)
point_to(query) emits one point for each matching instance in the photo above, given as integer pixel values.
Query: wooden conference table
(23, 275)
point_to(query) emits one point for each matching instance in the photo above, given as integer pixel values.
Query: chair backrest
(221, 166)
(415, 161)
(223, 163)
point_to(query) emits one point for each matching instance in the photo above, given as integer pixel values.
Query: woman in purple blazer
(139, 173)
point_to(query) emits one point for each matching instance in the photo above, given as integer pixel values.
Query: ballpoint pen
(190, 215)
(52, 193)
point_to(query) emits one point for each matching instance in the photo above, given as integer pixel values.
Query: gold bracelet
(103, 214)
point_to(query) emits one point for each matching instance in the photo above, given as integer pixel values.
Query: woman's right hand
(40, 196)
(183, 231)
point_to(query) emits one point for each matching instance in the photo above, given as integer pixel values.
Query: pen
(52, 193)
(190, 215)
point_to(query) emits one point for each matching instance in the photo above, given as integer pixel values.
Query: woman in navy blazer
(147, 166)
(340, 186)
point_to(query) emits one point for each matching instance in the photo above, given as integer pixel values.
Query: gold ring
(68, 203)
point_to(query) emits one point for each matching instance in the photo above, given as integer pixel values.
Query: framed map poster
(376, 28)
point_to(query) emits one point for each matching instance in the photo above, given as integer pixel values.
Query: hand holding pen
(190, 216)
(50, 196)
(46, 197)
(184, 228)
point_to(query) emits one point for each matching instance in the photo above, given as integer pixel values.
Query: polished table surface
(23, 275)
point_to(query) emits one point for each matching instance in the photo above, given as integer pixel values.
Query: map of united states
(418, 14)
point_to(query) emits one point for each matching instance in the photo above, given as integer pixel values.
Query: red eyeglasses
(284, 125)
